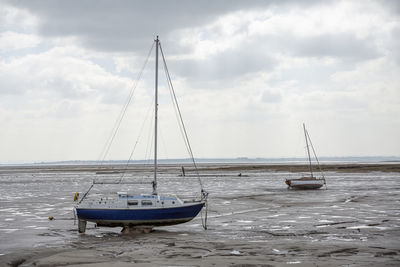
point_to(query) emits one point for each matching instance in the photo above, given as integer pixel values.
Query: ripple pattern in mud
(252, 219)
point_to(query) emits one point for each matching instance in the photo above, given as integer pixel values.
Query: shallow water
(253, 216)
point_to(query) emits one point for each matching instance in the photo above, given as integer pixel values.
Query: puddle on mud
(255, 210)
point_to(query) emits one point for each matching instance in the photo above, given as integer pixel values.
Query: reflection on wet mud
(252, 219)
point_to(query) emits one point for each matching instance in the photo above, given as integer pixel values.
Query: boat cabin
(145, 200)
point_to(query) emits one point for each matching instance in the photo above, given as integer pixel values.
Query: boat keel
(137, 229)
(82, 226)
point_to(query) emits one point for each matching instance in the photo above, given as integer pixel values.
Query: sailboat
(140, 210)
(308, 182)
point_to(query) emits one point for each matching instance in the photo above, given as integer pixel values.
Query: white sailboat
(141, 210)
(308, 182)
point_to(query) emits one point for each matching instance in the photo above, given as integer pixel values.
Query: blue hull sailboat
(138, 210)
(141, 210)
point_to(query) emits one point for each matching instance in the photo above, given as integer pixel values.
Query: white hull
(305, 183)
(310, 182)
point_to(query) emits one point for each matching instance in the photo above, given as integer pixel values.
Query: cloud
(271, 97)
(345, 46)
(231, 39)
(15, 19)
(60, 74)
(392, 6)
(245, 72)
(227, 67)
(120, 25)
(128, 25)
(14, 41)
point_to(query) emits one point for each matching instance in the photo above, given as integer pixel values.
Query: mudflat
(252, 218)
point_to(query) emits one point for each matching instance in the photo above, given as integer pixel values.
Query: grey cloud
(129, 25)
(228, 66)
(258, 55)
(392, 5)
(271, 97)
(343, 46)
(395, 44)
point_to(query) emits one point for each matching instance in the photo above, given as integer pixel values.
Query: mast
(308, 149)
(155, 121)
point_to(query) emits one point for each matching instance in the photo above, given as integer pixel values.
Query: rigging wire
(175, 108)
(149, 146)
(117, 124)
(315, 155)
(204, 222)
(164, 147)
(204, 194)
(295, 155)
(119, 120)
(124, 109)
(316, 158)
(137, 141)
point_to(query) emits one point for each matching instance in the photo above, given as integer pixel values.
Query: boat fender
(76, 196)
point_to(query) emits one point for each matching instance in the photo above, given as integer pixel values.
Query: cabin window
(147, 203)
(132, 202)
(173, 202)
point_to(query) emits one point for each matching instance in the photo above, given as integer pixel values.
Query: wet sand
(219, 167)
(253, 220)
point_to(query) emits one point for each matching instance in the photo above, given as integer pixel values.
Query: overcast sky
(247, 75)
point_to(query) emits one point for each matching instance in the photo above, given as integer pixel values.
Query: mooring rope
(204, 222)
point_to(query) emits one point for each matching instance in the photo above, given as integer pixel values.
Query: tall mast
(308, 149)
(155, 121)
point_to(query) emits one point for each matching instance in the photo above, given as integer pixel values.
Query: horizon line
(243, 159)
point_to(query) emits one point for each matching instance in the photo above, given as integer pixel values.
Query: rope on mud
(204, 222)
(74, 211)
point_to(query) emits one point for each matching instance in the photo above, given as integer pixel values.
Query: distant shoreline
(342, 167)
(238, 160)
(204, 167)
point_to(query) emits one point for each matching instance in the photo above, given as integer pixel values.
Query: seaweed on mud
(312, 232)
(382, 254)
(17, 262)
(344, 251)
(334, 223)
(250, 265)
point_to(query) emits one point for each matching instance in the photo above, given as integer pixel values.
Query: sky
(247, 74)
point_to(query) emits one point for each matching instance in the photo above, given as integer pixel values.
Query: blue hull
(137, 217)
